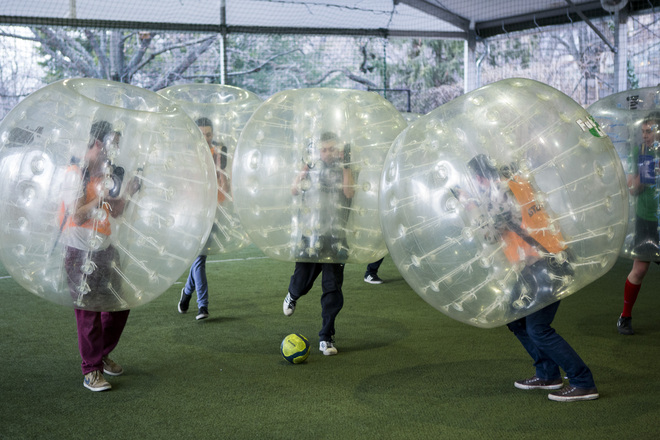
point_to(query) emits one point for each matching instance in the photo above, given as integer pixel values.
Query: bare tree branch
(82, 53)
(360, 79)
(57, 59)
(348, 74)
(153, 55)
(323, 78)
(145, 39)
(66, 47)
(175, 73)
(117, 67)
(20, 37)
(261, 66)
(99, 50)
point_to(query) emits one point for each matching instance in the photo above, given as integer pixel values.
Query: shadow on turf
(470, 394)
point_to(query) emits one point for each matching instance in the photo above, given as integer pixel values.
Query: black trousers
(332, 298)
(372, 268)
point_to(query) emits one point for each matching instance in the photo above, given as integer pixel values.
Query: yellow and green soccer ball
(295, 348)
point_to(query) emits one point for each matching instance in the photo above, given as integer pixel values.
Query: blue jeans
(549, 350)
(197, 282)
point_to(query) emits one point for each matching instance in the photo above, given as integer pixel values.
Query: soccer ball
(295, 348)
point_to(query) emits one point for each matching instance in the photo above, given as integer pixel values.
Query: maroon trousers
(98, 335)
(98, 332)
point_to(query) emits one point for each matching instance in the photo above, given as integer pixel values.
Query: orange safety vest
(91, 192)
(535, 221)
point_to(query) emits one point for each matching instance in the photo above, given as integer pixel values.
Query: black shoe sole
(538, 387)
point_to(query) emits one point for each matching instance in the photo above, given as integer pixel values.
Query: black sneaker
(373, 279)
(536, 383)
(203, 313)
(570, 393)
(184, 302)
(624, 325)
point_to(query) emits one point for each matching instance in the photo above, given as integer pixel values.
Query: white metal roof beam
(592, 26)
(506, 24)
(68, 22)
(438, 12)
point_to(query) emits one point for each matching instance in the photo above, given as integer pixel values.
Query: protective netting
(411, 52)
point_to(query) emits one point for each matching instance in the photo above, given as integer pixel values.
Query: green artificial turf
(404, 370)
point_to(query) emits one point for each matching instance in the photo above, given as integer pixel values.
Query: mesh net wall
(413, 58)
(574, 59)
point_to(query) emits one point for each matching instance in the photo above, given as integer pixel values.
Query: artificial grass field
(404, 370)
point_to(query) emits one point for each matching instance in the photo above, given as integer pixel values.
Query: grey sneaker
(328, 348)
(624, 325)
(95, 381)
(203, 313)
(289, 305)
(570, 393)
(111, 367)
(373, 279)
(536, 383)
(184, 302)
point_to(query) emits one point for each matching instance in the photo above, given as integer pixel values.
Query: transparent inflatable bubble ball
(221, 112)
(306, 174)
(632, 121)
(502, 202)
(107, 193)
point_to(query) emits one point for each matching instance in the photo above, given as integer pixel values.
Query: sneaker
(111, 367)
(624, 325)
(373, 279)
(203, 313)
(328, 348)
(184, 302)
(536, 383)
(570, 393)
(289, 305)
(96, 382)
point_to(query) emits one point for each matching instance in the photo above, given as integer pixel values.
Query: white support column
(470, 61)
(621, 54)
(223, 42)
(223, 58)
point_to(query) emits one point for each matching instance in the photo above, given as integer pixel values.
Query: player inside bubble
(326, 186)
(642, 183)
(94, 185)
(131, 188)
(510, 219)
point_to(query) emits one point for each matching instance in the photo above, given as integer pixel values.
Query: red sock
(630, 293)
